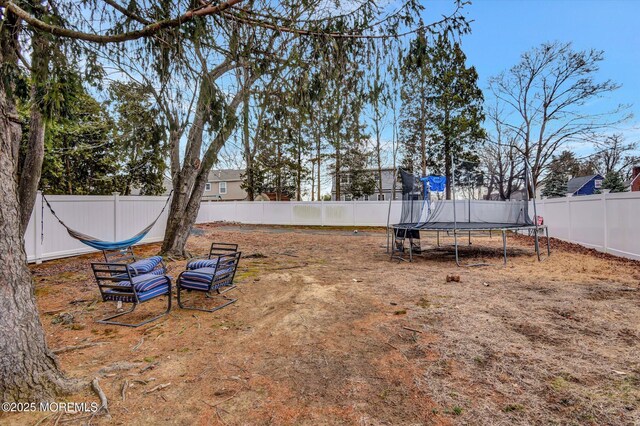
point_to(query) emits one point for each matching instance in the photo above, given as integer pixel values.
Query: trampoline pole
(455, 221)
(546, 229)
(388, 220)
(504, 245)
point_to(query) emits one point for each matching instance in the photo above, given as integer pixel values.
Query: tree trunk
(31, 169)
(28, 370)
(189, 182)
(318, 153)
(248, 158)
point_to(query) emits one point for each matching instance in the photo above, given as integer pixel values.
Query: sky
(503, 29)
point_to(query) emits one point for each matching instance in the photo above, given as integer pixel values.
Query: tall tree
(415, 111)
(140, 139)
(455, 107)
(544, 98)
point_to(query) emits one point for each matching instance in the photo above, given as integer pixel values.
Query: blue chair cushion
(144, 266)
(144, 283)
(202, 263)
(127, 296)
(201, 279)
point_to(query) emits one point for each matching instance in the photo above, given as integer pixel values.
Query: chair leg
(231, 287)
(229, 301)
(147, 321)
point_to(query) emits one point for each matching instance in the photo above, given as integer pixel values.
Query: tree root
(104, 403)
(75, 348)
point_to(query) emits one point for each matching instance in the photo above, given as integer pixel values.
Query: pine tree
(555, 184)
(613, 181)
(140, 139)
(444, 110)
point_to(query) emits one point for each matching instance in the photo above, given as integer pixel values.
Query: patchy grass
(324, 332)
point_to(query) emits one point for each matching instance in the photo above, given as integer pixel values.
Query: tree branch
(116, 38)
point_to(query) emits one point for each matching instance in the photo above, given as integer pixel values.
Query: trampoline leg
(546, 229)
(535, 230)
(438, 238)
(387, 240)
(393, 244)
(410, 248)
(455, 243)
(504, 246)
(469, 237)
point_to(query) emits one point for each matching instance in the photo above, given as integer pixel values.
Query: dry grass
(329, 331)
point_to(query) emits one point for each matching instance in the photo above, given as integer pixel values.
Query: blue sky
(503, 29)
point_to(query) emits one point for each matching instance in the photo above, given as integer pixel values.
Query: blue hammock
(98, 244)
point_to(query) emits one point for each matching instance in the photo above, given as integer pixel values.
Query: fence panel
(606, 222)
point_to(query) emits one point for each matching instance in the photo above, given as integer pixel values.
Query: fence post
(37, 227)
(605, 226)
(354, 212)
(569, 218)
(321, 212)
(116, 215)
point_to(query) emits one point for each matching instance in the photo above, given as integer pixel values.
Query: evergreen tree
(443, 107)
(455, 106)
(555, 184)
(80, 155)
(614, 182)
(140, 139)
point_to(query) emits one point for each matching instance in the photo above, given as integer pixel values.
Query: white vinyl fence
(609, 222)
(605, 222)
(320, 213)
(109, 218)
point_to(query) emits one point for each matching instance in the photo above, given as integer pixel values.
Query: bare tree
(501, 157)
(613, 154)
(544, 97)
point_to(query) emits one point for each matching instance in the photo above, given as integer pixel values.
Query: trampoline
(424, 211)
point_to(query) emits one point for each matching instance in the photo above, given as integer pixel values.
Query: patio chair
(217, 249)
(151, 265)
(117, 284)
(207, 279)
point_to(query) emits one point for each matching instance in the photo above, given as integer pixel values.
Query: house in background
(584, 185)
(224, 185)
(388, 176)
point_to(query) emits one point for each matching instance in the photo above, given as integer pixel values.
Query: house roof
(576, 183)
(225, 175)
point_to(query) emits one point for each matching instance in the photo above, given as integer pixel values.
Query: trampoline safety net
(422, 208)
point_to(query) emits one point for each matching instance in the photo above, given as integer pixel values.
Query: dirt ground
(328, 330)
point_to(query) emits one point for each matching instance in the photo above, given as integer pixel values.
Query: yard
(328, 330)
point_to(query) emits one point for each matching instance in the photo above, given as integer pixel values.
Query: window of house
(348, 197)
(598, 183)
(366, 198)
(380, 197)
(222, 187)
(345, 179)
(207, 186)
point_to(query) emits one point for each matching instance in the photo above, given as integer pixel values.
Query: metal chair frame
(111, 276)
(217, 281)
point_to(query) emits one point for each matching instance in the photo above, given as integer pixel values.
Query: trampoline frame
(467, 227)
